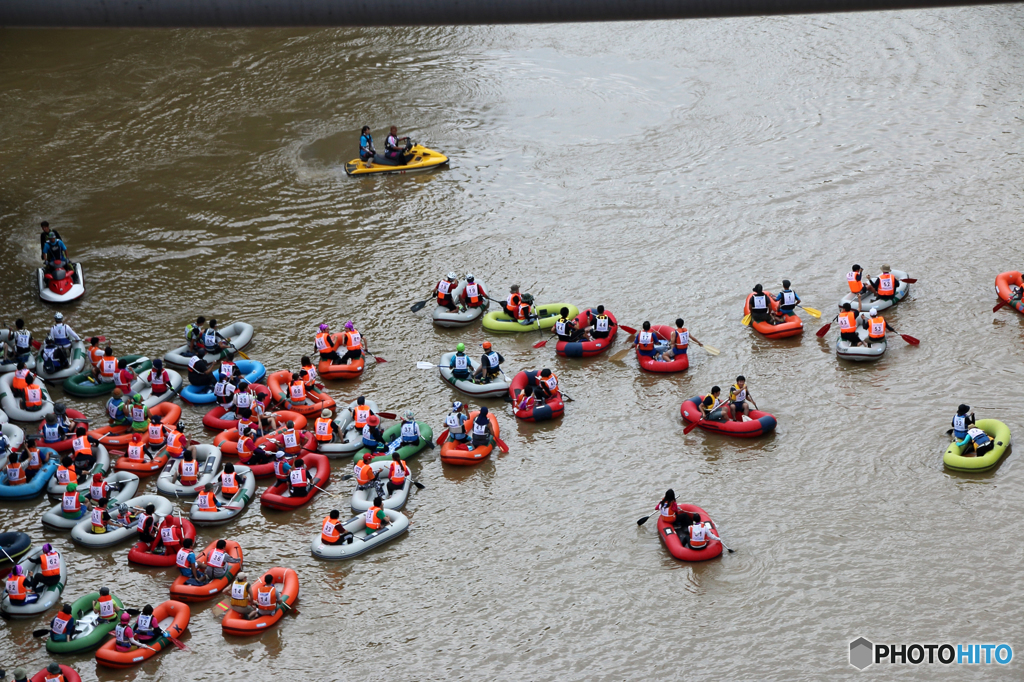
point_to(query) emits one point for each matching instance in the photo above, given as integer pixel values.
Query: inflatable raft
(144, 554)
(222, 418)
(239, 334)
(16, 544)
(547, 315)
(997, 431)
(315, 400)
(84, 385)
(118, 437)
(55, 488)
(759, 424)
(145, 468)
(76, 363)
(122, 485)
(552, 408)
(423, 160)
(227, 441)
(193, 593)
(70, 675)
(465, 454)
(363, 499)
(352, 438)
(90, 631)
(791, 325)
(251, 370)
(588, 349)
(1003, 283)
(340, 371)
(14, 406)
(860, 353)
(361, 542)
(82, 533)
(495, 389)
(208, 462)
(143, 387)
(62, 446)
(62, 288)
(454, 319)
(406, 452)
(286, 584)
(674, 544)
(871, 301)
(172, 617)
(319, 474)
(231, 506)
(36, 484)
(7, 337)
(681, 363)
(45, 600)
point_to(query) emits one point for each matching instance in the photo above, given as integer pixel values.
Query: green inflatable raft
(406, 451)
(997, 431)
(90, 633)
(547, 315)
(83, 386)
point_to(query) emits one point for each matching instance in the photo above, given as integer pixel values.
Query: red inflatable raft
(464, 454)
(663, 332)
(227, 440)
(792, 326)
(328, 370)
(318, 474)
(142, 553)
(173, 617)
(760, 423)
(194, 593)
(315, 400)
(588, 349)
(674, 544)
(286, 582)
(215, 418)
(1003, 283)
(63, 446)
(69, 675)
(117, 437)
(553, 408)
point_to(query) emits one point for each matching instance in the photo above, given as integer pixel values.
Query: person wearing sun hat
(885, 285)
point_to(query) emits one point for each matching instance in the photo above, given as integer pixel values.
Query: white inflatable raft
(459, 318)
(208, 458)
(15, 437)
(77, 357)
(496, 389)
(82, 533)
(241, 499)
(12, 406)
(123, 486)
(362, 542)
(239, 334)
(352, 438)
(142, 386)
(871, 301)
(56, 489)
(7, 336)
(46, 599)
(362, 499)
(860, 353)
(71, 294)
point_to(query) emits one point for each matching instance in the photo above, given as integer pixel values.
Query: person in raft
(455, 421)
(332, 532)
(410, 433)
(194, 336)
(977, 441)
(525, 401)
(848, 325)
(124, 635)
(787, 299)
(669, 510)
(699, 534)
(646, 340)
(375, 517)
(241, 597)
(567, 330)
(393, 151)
(547, 384)
(963, 420)
(679, 341)
(885, 284)
(760, 310)
(459, 364)
(739, 394)
(490, 365)
(444, 291)
(512, 303)
(366, 148)
(325, 345)
(711, 408)
(473, 296)
(353, 344)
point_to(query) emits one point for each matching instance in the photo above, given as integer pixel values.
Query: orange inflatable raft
(329, 370)
(117, 437)
(463, 454)
(227, 441)
(316, 401)
(790, 326)
(192, 593)
(286, 583)
(1003, 283)
(172, 617)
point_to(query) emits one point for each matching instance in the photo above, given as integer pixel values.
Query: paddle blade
(178, 643)
(242, 354)
(813, 312)
(379, 360)
(824, 330)
(999, 305)
(387, 415)
(419, 486)
(621, 354)
(691, 427)
(746, 320)
(541, 344)
(642, 520)
(40, 633)
(418, 306)
(712, 350)
(425, 365)
(443, 437)
(909, 280)
(628, 330)
(501, 444)
(223, 606)
(910, 339)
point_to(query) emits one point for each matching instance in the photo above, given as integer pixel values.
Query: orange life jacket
(16, 587)
(95, 356)
(322, 429)
(853, 279)
(20, 381)
(229, 483)
(876, 328)
(70, 502)
(365, 473)
(66, 475)
(108, 367)
(473, 296)
(298, 477)
(398, 472)
(207, 502)
(372, 522)
(324, 343)
(328, 533)
(266, 597)
(297, 391)
(886, 284)
(135, 453)
(361, 415)
(156, 434)
(291, 439)
(645, 340)
(33, 396)
(50, 563)
(175, 444)
(666, 512)
(847, 322)
(444, 290)
(81, 446)
(15, 474)
(188, 472)
(353, 340)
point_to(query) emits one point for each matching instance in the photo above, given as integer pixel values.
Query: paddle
(542, 343)
(566, 396)
(387, 415)
(628, 330)
(907, 337)
(746, 320)
(426, 365)
(710, 349)
(692, 426)
(242, 355)
(40, 633)
(418, 306)
(443, 437)
(643, 519)
(824, 330)
(813, 312)
(1000, 305)
(379, 361)
(621, 354)
(501, 444)
(909, 280)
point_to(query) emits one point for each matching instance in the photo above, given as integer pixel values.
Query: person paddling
(962, 421)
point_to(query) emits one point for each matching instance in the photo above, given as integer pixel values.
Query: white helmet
(58, 317)
(873, 312)
(452, 275)
(469, 278)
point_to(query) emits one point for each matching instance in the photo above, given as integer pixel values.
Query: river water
(661, 169)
